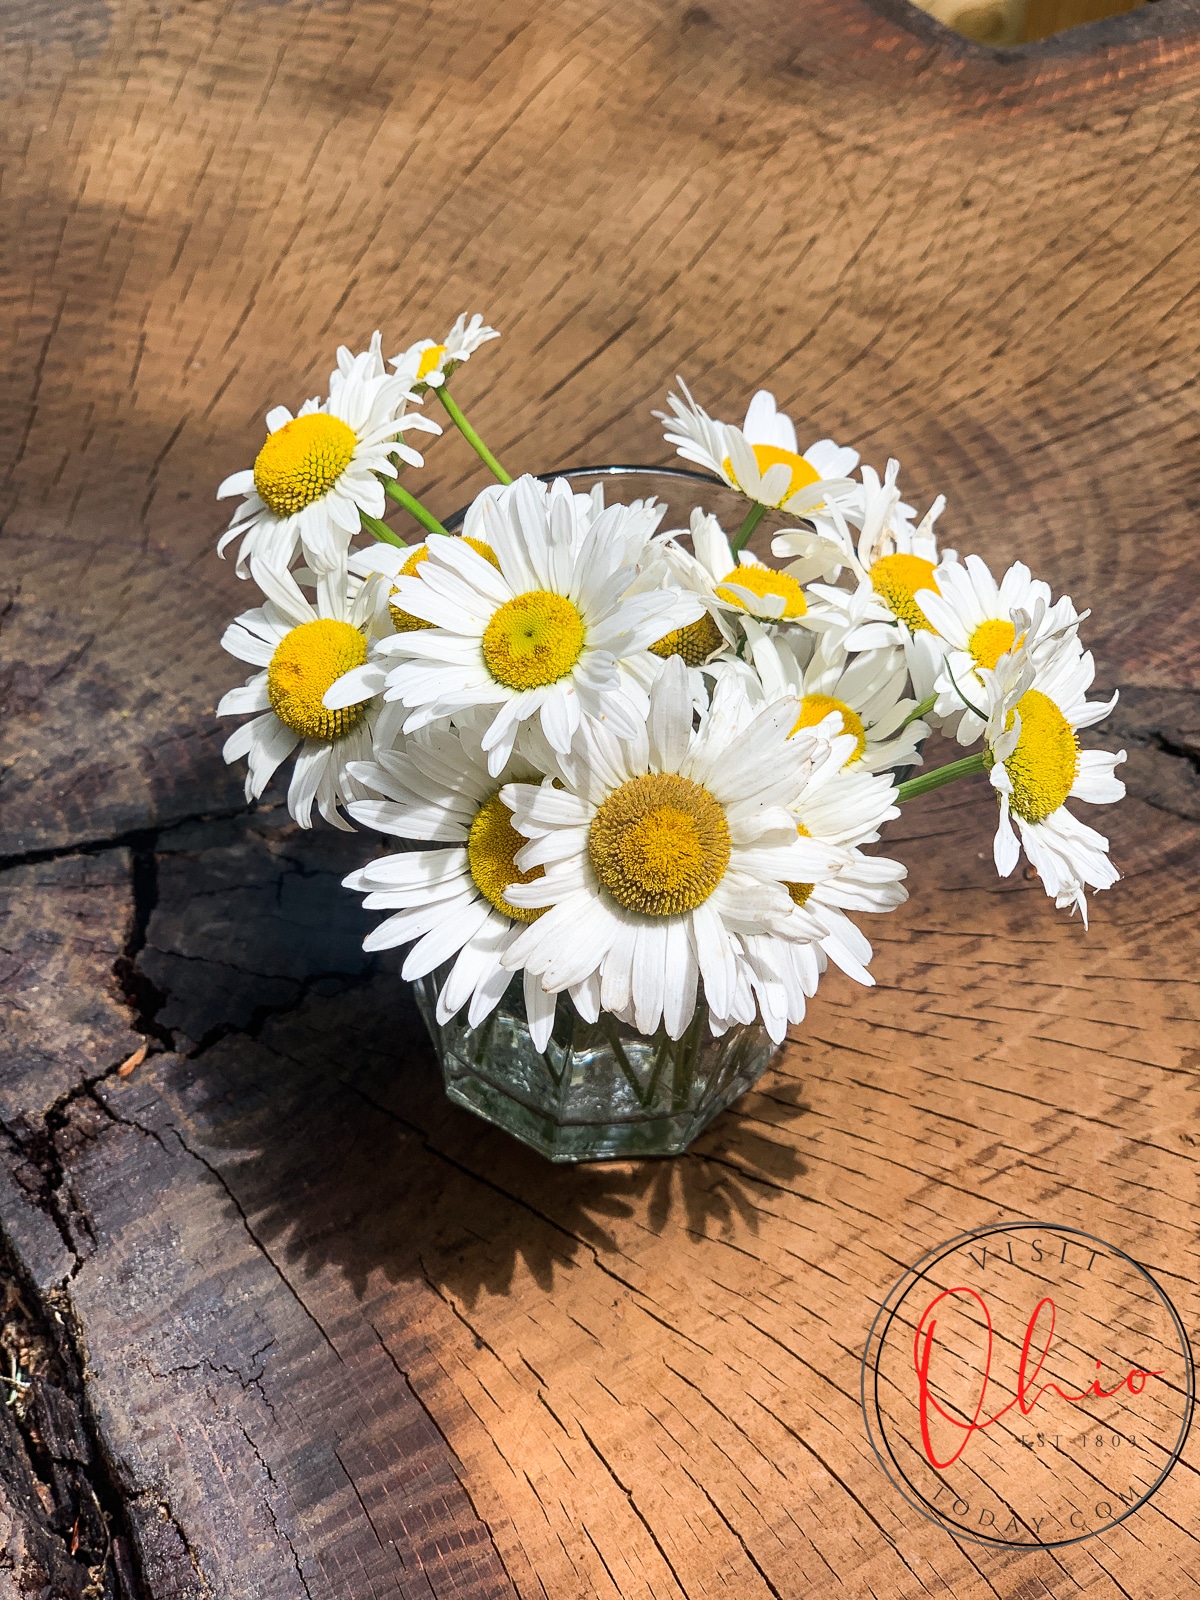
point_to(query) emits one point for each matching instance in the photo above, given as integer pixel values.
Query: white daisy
(540, 634)
(450, 900)
(320, 469)
(348, 362)
(1034, 709)
(700, 644)
(428, 364)
(889, 561)
(761, 458)
(661, 852)
(885, 523)
(849, 619)
(302, 651)
(974, 616)
(740, 585)
(393, 564)
(876, 510)
(843, 807)
(865, 693)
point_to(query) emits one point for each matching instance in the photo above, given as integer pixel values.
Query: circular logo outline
(909, 1279)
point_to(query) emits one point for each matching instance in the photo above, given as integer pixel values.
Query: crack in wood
(1014, 323)
(54, 1470)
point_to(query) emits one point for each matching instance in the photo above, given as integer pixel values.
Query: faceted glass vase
(603, 1091)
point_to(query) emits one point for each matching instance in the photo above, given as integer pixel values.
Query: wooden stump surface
(294, 1324)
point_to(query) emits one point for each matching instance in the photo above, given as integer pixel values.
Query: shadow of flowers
(304, 1073)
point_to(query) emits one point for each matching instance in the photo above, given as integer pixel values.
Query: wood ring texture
(321, 1332)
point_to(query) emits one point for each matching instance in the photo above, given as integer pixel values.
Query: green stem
(412, 505)
(609, 1025)
(381, 530)
(916, 712)
(686, 1052)
(965, 768)
(469, 434)
(742, 537)
(660, 1061)
(484, 1040)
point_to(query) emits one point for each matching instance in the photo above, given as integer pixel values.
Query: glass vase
(602, 1091)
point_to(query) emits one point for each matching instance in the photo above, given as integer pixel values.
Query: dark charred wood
(291, 1324)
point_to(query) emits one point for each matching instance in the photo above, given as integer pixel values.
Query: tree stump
(290, 1322)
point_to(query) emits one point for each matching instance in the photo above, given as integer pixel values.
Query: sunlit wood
(336, 1338)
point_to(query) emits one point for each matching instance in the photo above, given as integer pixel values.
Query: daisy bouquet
(630, 772)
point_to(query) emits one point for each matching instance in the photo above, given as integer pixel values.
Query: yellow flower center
(482, 548)
(429, 360)
(800, 891)
(404, 621)
(302, 461)
(990, 641)
(815, 708)
(695, 643)
(491, 845)
(770, 455)
(659, 844)
(763, 581)
(896, 579)
(533, 640)
(1045, 764)
(307, 662)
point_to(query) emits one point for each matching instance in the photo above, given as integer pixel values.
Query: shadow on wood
(312, 1067)
(336, 1337)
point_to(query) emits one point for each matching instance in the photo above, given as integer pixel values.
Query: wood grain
(332, 1336)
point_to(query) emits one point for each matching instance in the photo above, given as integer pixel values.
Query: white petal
(765, 424)
(539, 1012)
(252, 696)
(1005, 849)
(237, 483)
(273, 743)
(477, 966)
(616, 973)
(713, 957)
(670, 726)
(649, 974)
(543, 807)
(560, 715)
(1096, 781)
(681, 977)
(440, 943)
(412, 924)
(248, 645)
(241, 739)
(568, 943)
(360, 683)
(306, 777)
